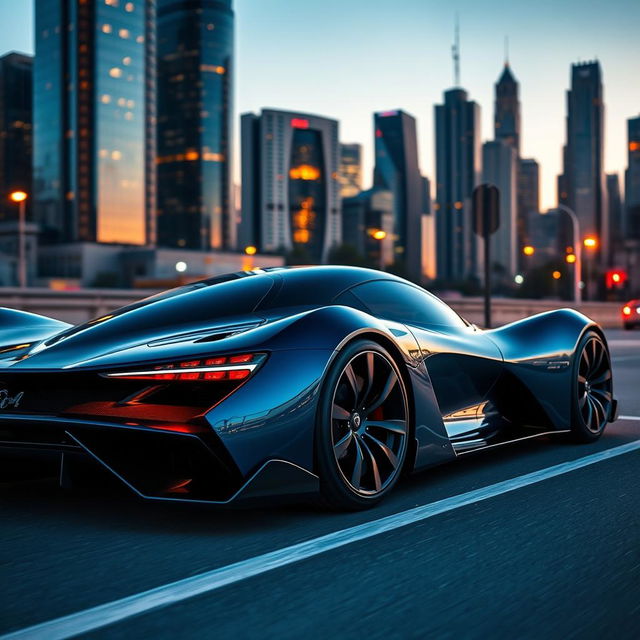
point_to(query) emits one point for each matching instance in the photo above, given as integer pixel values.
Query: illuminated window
(634, 146)
(131, 104)
(124, 33)
(116, 155)
(129, 7)
(105, 99)
(126, 61)
(211, 27)
(128, 115)
(103, 153)
(304, 172)
(107, 28)
(112, 3)
(458, 205)
(140, 39)
(121, 102)
(115, 72)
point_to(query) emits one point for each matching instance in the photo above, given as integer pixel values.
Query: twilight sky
(348, 58)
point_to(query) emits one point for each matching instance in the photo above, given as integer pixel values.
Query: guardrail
(82, 305)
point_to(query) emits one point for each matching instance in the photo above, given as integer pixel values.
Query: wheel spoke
(342, 445)
(581, 379)
(339, 413)
(394, 426)
(587, 419)
(582, 400)
(598, 357)
(370, 373)
(353, 382)
(585, 358)
(385, 449)
(600, 411)
(386, 390)
(373, 465)
(356, 474)
(603, 377)
(603, 393)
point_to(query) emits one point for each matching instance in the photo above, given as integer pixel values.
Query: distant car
(321, 381)
(631, 314)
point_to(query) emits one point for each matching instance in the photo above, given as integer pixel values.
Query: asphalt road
(558, 558)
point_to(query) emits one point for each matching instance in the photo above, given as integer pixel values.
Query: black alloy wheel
(363, 428)
(593, 388)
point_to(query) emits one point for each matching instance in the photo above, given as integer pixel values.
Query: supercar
(319, 382)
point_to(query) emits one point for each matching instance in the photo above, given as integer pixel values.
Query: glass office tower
(93, 98)
(195, 91)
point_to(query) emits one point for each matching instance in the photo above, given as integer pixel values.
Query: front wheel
(592, 389)
(362, 428)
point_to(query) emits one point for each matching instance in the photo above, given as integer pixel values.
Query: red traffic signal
(615, 278)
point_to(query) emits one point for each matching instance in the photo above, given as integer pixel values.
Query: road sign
(486, 220)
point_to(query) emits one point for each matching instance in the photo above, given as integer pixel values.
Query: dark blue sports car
(323, 381)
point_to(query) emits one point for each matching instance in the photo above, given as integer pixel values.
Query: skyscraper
(15, 128)
(396, 169)
(616, 219)
(583, 181)
(507, 110)
(632, 180)
(93, 95)
(290, 188)
(499, 167)
(457, 173)
(350, 172)
(528, 200)
(195, 111)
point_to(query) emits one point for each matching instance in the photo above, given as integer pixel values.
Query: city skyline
(268, 75)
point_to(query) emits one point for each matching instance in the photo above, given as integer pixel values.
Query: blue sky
(347, 58)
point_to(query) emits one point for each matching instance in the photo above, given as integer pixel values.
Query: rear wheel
(593, 390)
(362, 427)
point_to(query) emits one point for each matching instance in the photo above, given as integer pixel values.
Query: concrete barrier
(82, 305)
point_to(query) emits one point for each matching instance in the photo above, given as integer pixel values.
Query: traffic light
(615, 278)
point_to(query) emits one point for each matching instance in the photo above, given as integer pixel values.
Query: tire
(592, 389)
(362, 427)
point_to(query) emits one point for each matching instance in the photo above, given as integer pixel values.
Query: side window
(406, 303)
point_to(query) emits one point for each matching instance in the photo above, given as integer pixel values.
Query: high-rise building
(457, 174)
(499, 167)
(506, 118)
(16, 72)
(428, 231)
(582, 186)
(194, 132)
(528, 199)
(396, 169)
(290, 187)
(632, 180)
(616, 218)
(93, 95)
(350, 172)
(364, 217)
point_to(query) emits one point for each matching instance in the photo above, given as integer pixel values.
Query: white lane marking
(174, 592)
(619, 418)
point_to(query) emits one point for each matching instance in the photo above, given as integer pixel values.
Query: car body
(213, 392)
(630, 313)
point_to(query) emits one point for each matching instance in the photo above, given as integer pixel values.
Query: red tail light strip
(220, 368)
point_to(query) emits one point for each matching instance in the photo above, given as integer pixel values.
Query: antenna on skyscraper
(455, 53)
(506, 51)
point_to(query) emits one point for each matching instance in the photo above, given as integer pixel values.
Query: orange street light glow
(379, 234)
(571, 258)
(556, 275)
(528, 250)
(591, 242)
(18, 196)
(250, 250)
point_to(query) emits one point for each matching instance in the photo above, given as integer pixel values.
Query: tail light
(221, 368)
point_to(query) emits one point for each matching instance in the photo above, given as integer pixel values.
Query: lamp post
(379, 235)
(20, 197)
(591, 244)
(577, 248)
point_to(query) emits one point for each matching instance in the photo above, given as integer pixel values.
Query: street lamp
(577, 262)
(20, 197)
(591, 244)
(528, 250)
(380, 235)
(251, 250)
